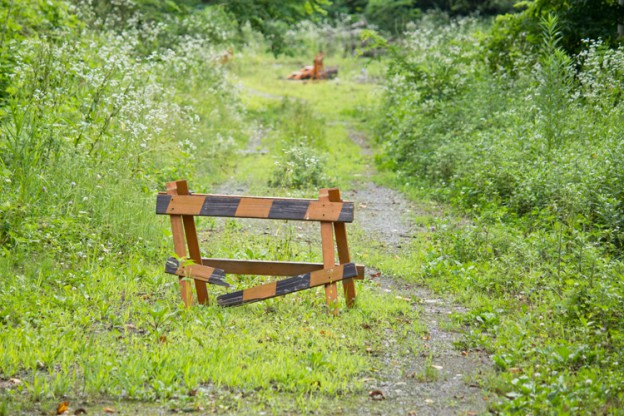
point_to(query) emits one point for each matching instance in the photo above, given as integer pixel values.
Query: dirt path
(439, 379)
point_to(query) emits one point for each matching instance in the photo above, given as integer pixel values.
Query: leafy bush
(515, 34)
(527, 142)
(392, 16)
(299, 168)
(533, 156)
(301, 146)
(159, 25)
(53, 19)
(90, 128)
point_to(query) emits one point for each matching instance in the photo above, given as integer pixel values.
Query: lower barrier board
(196, 271)
(290, 285)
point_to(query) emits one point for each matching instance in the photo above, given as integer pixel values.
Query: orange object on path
(315, 72)
(319, 67)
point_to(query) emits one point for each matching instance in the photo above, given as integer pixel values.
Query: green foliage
(347, 7)
(299, 168)
(453, 7)
(515, 34)
(533, 142)
(531, 157)
(555, 84)
(391, 16)
(89, 113)
(272, 18)
(33, 18)
(160, 25)
(465, 7)
(301, 146)
(552, 314)
(30, 19)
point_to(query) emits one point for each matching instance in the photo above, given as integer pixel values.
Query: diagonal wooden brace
(290, 285)
(196, 271)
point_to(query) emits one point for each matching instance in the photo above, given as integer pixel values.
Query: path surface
(451, 386)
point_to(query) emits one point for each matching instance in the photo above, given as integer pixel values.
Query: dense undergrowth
(91, 125)
(533, 154)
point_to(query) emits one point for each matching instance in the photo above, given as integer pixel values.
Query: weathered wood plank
(289, 210)
(329, 256)
(290, 285)
(340, 232)
(270, 268)
(179, 244)
(219, 206)
(192, 244)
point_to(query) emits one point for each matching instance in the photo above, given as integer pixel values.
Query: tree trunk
(621, 22)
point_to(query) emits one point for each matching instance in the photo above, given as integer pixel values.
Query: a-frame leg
(179, 246)
(340, 229)
(184, 226)
(329, 257)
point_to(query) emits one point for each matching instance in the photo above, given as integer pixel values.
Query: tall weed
(91, 127)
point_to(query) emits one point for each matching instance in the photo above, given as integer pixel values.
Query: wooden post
(340, 230)
(184, 226)
(329, 257)
(193, 247)
(177, 230)
(621, 22)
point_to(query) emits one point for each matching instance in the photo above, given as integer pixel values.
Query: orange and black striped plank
(290, 285)
(254, 207)
(196, 271)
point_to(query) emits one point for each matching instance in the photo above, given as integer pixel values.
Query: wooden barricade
(329, 210)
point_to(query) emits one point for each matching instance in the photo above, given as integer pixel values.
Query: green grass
(89, 316)
(343, 98)
(104, 338)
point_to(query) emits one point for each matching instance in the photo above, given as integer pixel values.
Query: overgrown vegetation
(518, 125)
(533, 155)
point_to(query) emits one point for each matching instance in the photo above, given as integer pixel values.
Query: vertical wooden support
(193, 246)
(179, 246)
(340, 230)
(183, 228)
(329, 257)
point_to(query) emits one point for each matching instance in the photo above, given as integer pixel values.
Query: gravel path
(452, 386)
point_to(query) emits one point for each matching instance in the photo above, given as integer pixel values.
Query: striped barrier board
(329, 210)
(286, 286)
(254, 207)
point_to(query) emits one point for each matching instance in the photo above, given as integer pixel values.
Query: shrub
(299, 168)
(526, 142)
